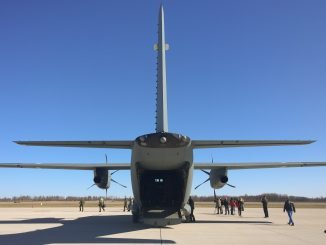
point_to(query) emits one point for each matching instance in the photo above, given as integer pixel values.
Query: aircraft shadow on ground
(82, 230)
(233, 222)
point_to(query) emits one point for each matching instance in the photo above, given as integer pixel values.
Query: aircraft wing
(245, 143)
(69, 166)
(120, 144)
(257, 165)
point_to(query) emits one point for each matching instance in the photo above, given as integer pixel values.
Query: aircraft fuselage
(161, 171)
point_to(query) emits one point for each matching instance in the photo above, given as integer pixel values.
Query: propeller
(114, 172)
(106, 160)
(91, 186)
(106, 189)
(233, 186)
(206, 172)
(118, 183)
(202, 183)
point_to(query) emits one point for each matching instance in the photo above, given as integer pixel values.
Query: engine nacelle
(218, 178)
(102, 178)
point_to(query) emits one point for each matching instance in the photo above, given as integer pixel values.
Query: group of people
(101, 205)
(127, 204)
(223, 205)
(229, 205)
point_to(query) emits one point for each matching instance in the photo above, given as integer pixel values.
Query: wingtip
(307, 142)
(20, 142)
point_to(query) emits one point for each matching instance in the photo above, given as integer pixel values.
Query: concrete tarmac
(36, 226)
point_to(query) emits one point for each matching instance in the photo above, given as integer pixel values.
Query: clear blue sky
(85, 70)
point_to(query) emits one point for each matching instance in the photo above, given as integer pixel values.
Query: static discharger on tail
(161, 165)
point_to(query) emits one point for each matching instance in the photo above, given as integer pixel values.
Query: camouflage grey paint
(161, 96)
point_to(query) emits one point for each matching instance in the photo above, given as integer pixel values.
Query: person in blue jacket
(289, 208)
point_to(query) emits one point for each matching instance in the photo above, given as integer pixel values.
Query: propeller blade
(91, 186)
(106, 159)
(206, 172)
(233, 186)
(202, 183)
(214, 195)
(118, 183)
(114, 172)
(106, 193)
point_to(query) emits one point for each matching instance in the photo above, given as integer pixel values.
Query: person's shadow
(89, 229)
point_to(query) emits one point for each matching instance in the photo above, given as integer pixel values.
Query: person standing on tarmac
(232, 204)
(226, 206)
(192, 207)
(264, 201)
(125, 204)
(130, 203)
(101, 204)
(218, 206)
(240, 205)
(289, 208)
(81, 205)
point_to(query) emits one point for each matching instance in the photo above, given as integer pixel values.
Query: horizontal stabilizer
(257, 165)
(69, 166)
(245, 143)
(120, 144)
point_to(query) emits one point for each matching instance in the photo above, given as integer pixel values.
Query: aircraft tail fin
(161, 93)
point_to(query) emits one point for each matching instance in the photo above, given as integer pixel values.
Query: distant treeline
(272, 197)
(53, 198)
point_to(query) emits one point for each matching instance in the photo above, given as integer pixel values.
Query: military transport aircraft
(162, 162)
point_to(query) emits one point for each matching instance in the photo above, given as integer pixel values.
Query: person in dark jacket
(125, 204)
(226, 206)
(240, 205)
(192, 207)
(130, 203)
(289, 208)
(264, 201)
(81, 205)
(231, 203)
